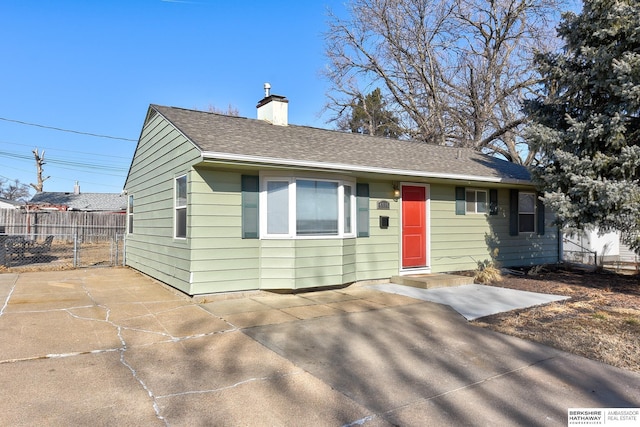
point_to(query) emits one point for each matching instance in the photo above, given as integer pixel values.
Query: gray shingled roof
(106, 202)
(217, 135)
(10, 202)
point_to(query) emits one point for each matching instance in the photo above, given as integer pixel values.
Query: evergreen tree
(587, 124)
(371, 117)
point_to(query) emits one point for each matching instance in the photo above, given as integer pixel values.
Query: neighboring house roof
(111, 202)
(221, 137)
(9, 204)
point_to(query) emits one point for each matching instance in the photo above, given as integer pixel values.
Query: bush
(487, 273)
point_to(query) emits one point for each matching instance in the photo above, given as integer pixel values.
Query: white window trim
(130, 213)
(475, 204)
(291, 179)
(176, 207)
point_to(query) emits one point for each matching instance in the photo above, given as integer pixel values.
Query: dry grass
(487, 274)
(601, 321)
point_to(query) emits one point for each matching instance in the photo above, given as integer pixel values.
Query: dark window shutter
(513, 212)
(540, 213)
(460, 201)
(362, 205)
(493, 202)
(250, 202)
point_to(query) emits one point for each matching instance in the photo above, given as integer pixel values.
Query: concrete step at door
(428, 281)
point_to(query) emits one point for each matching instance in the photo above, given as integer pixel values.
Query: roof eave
(211, 156)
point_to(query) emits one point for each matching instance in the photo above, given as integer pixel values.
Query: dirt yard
(601, 321)
(62, 256)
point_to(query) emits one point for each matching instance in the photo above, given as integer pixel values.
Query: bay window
(347, 208)
(278, 207)
(306, 207)
(316, 208)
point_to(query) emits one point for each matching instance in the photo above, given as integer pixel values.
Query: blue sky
(95, 67)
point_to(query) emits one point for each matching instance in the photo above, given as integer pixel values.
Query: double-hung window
(476, 201)
(526, 212)
(130, 215)
(181, 207)
(300, 207)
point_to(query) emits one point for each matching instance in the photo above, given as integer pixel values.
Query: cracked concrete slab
(324, 297)
(283, 301)
(37, 334)
(132, 310)
(88, 389)
(205, 363)
(355, 305)
(311, 311)
(296, 398)
(234, 306)
(253, 318)
(404, 362)
(48, 295)
(542, 387)
(182, 321)
(113, 347)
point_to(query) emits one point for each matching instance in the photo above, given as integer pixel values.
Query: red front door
(414, 226)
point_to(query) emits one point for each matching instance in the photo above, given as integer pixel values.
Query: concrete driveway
(112, 347)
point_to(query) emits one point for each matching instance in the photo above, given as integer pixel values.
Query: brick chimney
(273, 108)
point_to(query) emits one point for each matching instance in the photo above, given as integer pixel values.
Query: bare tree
(39, 163)
(457, 71)
(230, 111)
(14, 190)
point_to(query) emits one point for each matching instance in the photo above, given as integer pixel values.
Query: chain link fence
(41, 239)
(61, 251)
(624, 260)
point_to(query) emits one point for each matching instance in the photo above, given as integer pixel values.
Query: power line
(90, 171)
(101, 184)
(68, 130)
(128, 158)
(76, 164)
(82, 166)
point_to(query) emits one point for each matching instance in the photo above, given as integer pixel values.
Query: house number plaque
(383, 205)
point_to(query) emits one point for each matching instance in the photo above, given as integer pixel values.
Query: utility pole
(39, 162)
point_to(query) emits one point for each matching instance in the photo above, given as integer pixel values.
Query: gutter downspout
(560, 248)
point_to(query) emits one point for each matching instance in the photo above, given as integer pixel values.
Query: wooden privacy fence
(86, 226)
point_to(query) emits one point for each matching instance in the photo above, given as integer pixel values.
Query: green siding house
(219, 203)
